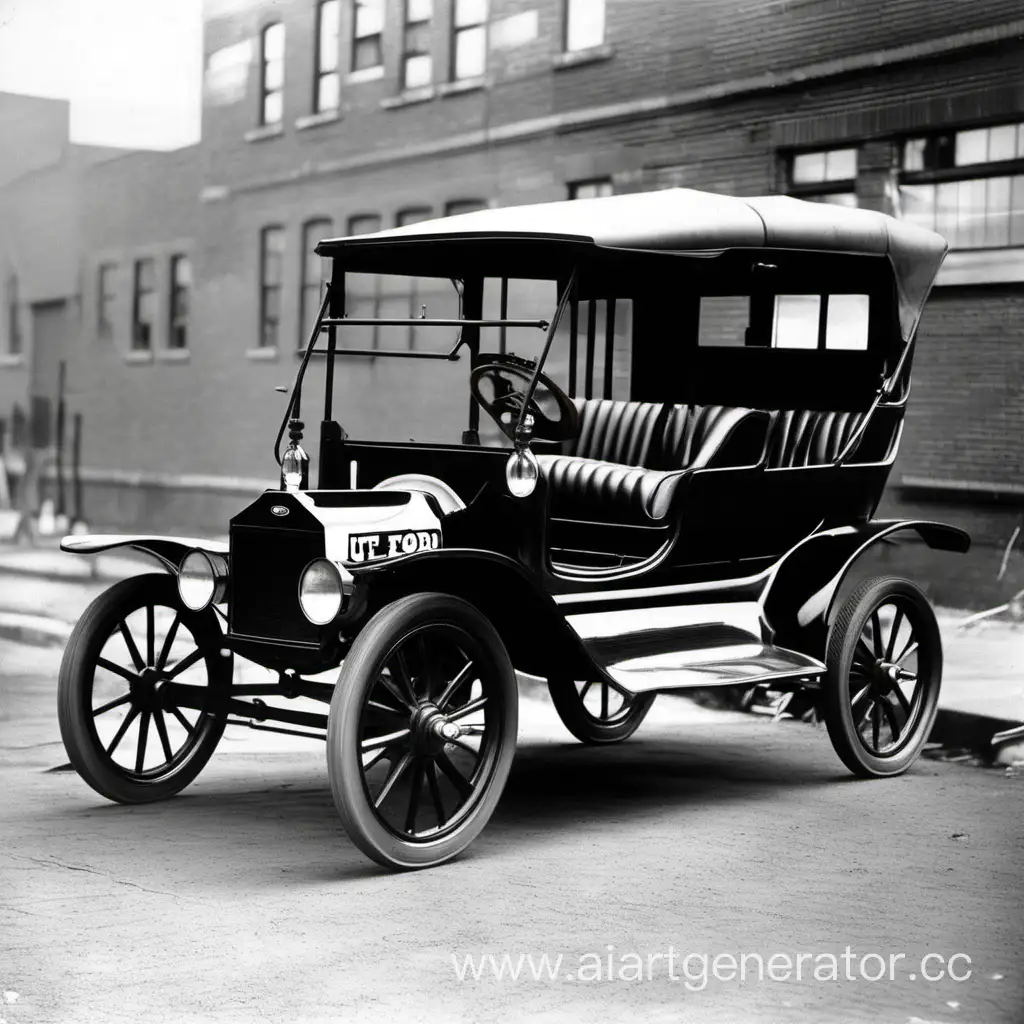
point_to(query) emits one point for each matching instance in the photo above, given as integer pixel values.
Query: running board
(689, 646)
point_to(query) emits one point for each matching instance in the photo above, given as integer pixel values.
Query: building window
(469, 39)
(593, 188)
(417, 63)
(362, 293)
(272, 74)
(825, 176)
(105, 298)
(327, 94)
(457, 206)
(144, 305)
(315, 274)
(367, 30)
(181, 287)
(584, 24)
(967, 185)
(14, 343)
(271, 278)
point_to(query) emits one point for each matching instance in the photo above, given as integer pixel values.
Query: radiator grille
(265, 569)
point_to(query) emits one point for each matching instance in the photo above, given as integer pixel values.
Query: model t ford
(676, 471)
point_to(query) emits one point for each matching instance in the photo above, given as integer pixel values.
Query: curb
(34, 630)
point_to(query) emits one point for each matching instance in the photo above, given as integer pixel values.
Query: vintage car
(670, 489)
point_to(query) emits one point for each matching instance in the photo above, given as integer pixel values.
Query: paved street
(243, 900)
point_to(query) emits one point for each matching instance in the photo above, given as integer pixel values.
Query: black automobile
(670, 487)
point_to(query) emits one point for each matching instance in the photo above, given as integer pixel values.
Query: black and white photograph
(511, 510)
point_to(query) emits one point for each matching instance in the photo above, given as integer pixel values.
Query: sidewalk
(983, 678)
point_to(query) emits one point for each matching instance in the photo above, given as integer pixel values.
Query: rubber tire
(584, 727)
(74, 688)
(836, 710)
(358, 673)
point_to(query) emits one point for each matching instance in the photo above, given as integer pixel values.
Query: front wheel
(421, 731)
(139, 689)
(884, 661)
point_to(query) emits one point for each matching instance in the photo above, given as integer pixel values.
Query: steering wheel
(500, 388)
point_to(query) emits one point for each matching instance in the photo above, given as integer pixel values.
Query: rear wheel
(421, 731)
(884, 663)
(138, 689)
(597, 713)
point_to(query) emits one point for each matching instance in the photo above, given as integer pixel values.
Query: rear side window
(846, 325)
(724, 321)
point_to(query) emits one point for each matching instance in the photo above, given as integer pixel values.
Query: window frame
(819, 189)
(320, 72)
(266, 288)
(567, 10)
(104, 317)
(14, 344)
(952, 173)
(138, 294)
(409, 25)
(458, 30)
(265, 61)
(573, 188)
(456, 207)
(354, 68)
(177, 322)
(307, 309)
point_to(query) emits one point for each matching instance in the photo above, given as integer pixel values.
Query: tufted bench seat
(630, 457)
(802, 438)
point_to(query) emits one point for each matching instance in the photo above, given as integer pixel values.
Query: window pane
(724, 320)
(470, 52)
(145, 275)
(273, 42)
(419, 71)
(584, 24)
(328, 92)
(590, 189)
(795, 324)
(841, 164)
(946, 207)
(1002, 142)
(972, 146)
(1017, 210)
(369, 18)
(273, 76)
(847, 325)
(419, 10)
(364, 224)
(917, 203)
(182, 271)
(414, 215)
(367, 53)
(272, 108)
(971, 213)
(470, 12)
(997, 213)
(457, 206)
(913, 154)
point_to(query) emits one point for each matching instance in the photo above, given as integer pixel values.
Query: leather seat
(630, 457)
(806, 438)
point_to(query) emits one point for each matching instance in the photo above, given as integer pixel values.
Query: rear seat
(630, 457)
(810, 438)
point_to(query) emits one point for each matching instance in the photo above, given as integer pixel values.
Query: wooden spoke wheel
(597, 712)
(138, 689)
(884, 672)
(421, 731)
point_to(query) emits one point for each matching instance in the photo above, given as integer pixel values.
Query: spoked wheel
(884, 672)
(422, 730)
(138, 690)
(597, 712)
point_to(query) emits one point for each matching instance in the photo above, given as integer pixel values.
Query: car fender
(799, 600)
(166, 551)
(531, 625)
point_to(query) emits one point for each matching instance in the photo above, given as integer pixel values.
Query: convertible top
(686, 221)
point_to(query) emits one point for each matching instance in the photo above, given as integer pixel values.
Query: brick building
(188, 283)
